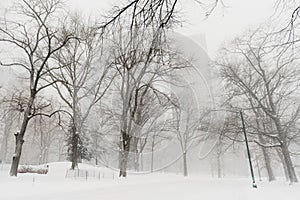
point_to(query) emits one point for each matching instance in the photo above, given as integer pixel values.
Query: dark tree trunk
(123, 164)
(17, 154)
(185, 169)
(20, 139)
(124, 154)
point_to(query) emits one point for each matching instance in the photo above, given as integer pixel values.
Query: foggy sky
(222, 25)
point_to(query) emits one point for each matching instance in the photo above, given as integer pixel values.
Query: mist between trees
(117, 92)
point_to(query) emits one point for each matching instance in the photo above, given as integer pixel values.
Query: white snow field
(158, 186)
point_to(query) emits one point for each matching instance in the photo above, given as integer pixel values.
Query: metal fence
(90, 174)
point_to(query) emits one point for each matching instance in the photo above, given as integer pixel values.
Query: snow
(158, 186)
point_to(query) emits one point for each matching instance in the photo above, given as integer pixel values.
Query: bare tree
(141, 63)
(163, 13)
(83, 78)
(266, 76)
(261, 130)
(33, 29)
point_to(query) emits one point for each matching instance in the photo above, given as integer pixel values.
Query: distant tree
(7, 121)
(45, 130)
(187, 129)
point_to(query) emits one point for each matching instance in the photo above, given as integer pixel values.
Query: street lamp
(248, 151)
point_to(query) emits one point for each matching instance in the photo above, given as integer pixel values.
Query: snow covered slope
(54, 186)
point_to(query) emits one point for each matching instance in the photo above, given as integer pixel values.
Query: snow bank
(54, 186)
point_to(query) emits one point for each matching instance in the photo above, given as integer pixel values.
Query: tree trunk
(135, 151)
(152, 153)
(17, 155)
(124, 154)
(142, 162)
(74, 156)
(219, 165)
(123, 163)
(46, 154)
(136, 161)
(20, 139)
(289, 164)
(268, 165)
(285, 153)
(267, 160)
(185, 170)
(265, 152)
(283, 163)
(258, 167)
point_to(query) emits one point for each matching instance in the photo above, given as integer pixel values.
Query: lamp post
(248, 151)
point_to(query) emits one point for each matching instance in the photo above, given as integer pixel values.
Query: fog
(150, 88)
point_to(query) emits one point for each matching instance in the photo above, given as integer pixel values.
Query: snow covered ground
(55, 186)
